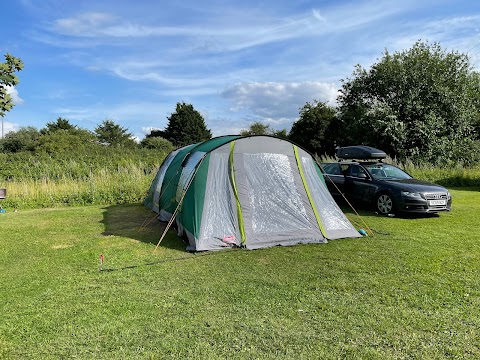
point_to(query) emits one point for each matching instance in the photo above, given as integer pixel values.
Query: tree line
(421, 104)
(185, 126)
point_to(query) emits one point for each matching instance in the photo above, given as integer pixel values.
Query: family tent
(250, 191)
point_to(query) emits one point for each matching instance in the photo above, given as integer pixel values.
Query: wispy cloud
(235, 30)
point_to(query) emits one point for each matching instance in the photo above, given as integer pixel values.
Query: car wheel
(385, 204)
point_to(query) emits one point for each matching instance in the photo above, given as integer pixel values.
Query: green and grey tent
(251, 191)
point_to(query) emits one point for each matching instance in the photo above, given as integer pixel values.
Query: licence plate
(437, 202)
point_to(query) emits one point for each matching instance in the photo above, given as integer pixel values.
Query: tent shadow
(134, 221)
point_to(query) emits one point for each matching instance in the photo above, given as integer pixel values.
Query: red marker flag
(102, 259)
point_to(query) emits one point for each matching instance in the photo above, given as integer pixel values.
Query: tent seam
(307, 190)
(235, 191)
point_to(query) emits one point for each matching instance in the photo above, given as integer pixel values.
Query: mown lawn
(410, 291)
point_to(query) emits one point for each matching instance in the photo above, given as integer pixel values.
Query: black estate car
(362, 177)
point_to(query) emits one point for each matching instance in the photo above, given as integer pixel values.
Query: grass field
(411, 291)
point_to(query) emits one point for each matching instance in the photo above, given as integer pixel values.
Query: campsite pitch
(411, 291)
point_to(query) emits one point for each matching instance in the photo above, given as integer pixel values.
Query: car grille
(435, 196)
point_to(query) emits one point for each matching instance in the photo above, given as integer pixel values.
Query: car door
(358, 184)
(334, 178)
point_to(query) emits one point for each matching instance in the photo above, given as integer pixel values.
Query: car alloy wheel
(385, 204)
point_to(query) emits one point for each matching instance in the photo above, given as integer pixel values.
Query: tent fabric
(252, 191)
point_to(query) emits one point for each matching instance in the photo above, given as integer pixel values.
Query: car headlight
(411, 194)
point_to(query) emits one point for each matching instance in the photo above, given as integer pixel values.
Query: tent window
(219, 218)
(187, 173)
(275, 203)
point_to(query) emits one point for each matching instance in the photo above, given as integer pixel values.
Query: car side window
(332, 169)
(356, 171)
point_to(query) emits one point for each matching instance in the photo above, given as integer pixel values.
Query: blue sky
(235, 61)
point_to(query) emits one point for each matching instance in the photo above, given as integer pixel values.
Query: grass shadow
(134, 221)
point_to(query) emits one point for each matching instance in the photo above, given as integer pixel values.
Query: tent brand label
(229, 239)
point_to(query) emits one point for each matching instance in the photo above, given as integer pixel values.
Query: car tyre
(385, 204)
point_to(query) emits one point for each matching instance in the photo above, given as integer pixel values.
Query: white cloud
(271, 100)
(8, 127)
(17, 100)
(86, 24)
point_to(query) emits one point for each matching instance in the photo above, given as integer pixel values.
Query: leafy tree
(259, 128)
(158, 143)
(66, 142)
(7, 79)
(111, 134)
(156, 133)
(420, 103)
(280, 133)
(25, 139)
(312, 129)
(60, 124)
(186, 126)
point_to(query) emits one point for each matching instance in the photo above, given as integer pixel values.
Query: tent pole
(147, 221)
(168, 226)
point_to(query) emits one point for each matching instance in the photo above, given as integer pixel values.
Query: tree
(60, 124)
(155, 133)
(64, 142)
(280, 133)
(259, 128)
(24, 139)
(7, 80)
(311, 130)
(111, 134)
(158, 143)
(186, 126)
(420, 103)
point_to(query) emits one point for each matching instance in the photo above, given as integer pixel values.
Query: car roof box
(360, 153)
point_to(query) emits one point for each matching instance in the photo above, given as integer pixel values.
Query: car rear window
(332, 168)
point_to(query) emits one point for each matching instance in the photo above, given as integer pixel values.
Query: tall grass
(81, 165)
(121, 178)
(127, 184)
(453, 176)
(107, 175)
